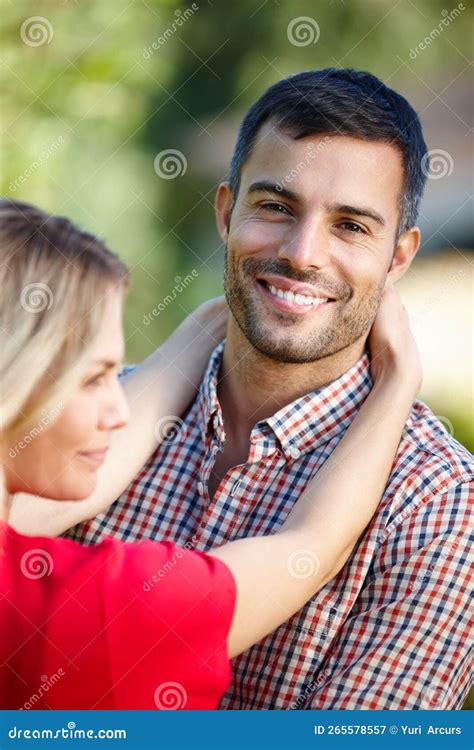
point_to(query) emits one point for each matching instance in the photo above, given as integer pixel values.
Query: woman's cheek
(76, 425)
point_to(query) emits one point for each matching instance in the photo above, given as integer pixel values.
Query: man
(320, 210)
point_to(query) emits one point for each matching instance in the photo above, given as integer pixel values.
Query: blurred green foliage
(93, 85)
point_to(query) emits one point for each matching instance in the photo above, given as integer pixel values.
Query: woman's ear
(406, 249)
(223, 207)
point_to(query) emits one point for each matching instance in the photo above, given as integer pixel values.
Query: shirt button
(294, 452)
(215, 422)
(200, 488)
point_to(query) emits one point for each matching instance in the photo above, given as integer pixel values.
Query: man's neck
(253, 386)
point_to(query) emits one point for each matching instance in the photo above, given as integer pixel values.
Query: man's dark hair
(341, 102)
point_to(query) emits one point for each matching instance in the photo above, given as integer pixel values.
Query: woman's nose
(116, 412)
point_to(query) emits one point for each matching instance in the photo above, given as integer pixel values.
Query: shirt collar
(323, 414)
(305, 423)
(209, 406)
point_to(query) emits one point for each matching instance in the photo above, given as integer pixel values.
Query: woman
(80, 629)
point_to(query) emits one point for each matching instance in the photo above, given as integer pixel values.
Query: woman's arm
(277, 574)
(158, 392)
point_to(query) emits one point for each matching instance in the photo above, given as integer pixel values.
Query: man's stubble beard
(349, 322)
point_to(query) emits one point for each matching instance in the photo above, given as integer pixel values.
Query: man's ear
(405, 251)
(223, 207)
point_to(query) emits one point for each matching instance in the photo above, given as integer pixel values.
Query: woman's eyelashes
(95, 380)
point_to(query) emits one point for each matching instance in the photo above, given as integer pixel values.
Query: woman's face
(61, 460)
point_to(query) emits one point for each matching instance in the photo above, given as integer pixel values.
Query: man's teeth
(299, 299)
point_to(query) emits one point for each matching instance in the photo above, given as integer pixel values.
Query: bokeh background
(123, 115)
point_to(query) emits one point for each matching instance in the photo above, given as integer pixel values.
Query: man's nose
(306, 247)
(115, 412)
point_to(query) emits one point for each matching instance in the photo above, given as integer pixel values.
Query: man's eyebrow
(276, 188)
(340, 208)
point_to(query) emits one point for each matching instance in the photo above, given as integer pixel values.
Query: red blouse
(111, 626)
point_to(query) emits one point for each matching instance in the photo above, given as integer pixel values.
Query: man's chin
(286, 350)
(281, 337)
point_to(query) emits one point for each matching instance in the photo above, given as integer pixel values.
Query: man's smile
(293, 296)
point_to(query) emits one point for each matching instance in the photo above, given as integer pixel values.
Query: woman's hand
(393, 349)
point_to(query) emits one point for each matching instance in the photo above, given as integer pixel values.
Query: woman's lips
(286, 305)
(96, 457)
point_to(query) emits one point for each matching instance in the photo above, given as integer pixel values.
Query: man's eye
(351, 226)
(275, 208)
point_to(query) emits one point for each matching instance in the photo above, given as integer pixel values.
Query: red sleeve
(169, 622)
(130, 626)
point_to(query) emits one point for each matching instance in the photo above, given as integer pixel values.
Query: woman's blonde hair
(54, 280)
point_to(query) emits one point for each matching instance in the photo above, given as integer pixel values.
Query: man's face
(311, 239)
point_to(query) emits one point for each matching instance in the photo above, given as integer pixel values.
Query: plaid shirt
(393, 630)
